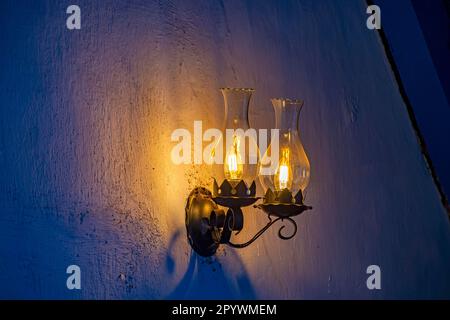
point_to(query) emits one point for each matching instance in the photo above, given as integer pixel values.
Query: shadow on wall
(209, 277)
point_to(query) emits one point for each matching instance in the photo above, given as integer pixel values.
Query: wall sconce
(207, 224)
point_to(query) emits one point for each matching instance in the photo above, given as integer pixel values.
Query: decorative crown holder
(234, 197)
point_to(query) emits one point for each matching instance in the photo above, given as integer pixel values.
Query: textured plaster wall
(85, 169)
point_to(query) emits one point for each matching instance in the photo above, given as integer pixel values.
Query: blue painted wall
(85, 171)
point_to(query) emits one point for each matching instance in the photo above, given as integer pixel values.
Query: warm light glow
(233, 166)
(283, 176)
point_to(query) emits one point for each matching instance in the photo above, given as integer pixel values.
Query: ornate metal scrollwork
(264, 229)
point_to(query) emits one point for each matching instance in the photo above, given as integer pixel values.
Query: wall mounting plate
(203, 235)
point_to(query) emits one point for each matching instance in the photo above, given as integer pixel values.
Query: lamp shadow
(222, 276)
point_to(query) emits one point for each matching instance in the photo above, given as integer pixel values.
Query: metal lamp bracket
(208, 225)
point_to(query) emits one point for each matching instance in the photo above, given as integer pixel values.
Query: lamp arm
(267, 226)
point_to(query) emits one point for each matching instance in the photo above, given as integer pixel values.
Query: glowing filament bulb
(283, 177)
(233, 162)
